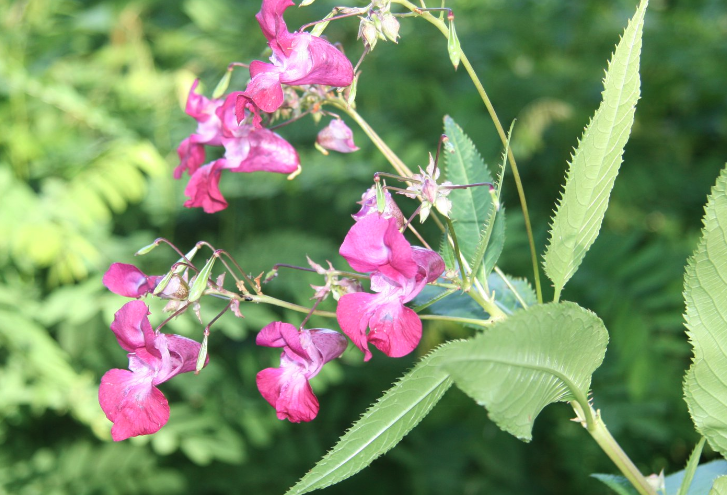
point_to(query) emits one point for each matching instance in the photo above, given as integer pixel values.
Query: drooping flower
(247, 149)
(337, 136)
(130, 398)
(394, 329)
(287, 388)
(298, 59)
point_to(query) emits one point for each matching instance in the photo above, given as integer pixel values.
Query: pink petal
(268, 152)
(337, 136)
(132, 328)
(191, 156)
(395, 329)
(134, 405)
(270, 17)
(203, 188)
(280, 334)
(264, 88)
(352, 316)
(314, 60)
(330, 344)
(127, 280)
(183, 354)
(289, 393)
(375, 244)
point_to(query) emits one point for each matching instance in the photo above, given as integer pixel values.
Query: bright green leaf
(541, 355)
(596, 161)
(471, 207)
(705, 292)
(382, 426)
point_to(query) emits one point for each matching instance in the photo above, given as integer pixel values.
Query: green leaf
(703, 478)
(382, 426)
(705, 293)
(541, 355)
(596, 161)
(618, 484)
(719, 487)
(471, 207)
(692, 464)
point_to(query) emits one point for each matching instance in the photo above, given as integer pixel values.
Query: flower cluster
(398, 271)
(235, 123)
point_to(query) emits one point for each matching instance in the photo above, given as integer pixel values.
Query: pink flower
(247, 149)
(130, 398)
(298, 59)
(128, 281)
(304, 353)
(399, 272)
(337, 136)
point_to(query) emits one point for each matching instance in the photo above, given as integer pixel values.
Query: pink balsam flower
(398, 273)
(304, 353)
(298, 59)
(130, 398)
(337, 136)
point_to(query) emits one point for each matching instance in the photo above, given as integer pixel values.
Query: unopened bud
(367, 30)
(146, 249)
(390, 27)
(453, 47)
(306, 3)
(202, 356)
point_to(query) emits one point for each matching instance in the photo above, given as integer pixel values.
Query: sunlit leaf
(535, 357)
(705, 293)
(596, 161)
(382, 426)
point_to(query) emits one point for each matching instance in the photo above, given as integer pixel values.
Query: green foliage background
(91, 97)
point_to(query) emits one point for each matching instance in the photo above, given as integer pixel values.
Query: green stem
(597, 428)
(439, 24)
(395, 161)
(466, 283)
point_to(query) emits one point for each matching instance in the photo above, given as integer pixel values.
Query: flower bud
(367, 30)
(337, 136)
(390, 27)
